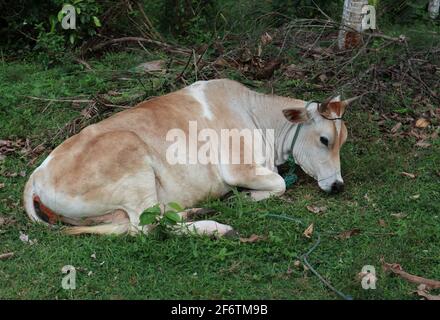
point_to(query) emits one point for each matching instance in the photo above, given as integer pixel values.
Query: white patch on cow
(198, 93)
(45, 162)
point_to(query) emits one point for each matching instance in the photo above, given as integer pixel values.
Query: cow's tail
(116, 222)
(28, 200)
(108, 224)
(109, 228)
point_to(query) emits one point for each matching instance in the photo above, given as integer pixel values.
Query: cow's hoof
(196, 213)
(231, 234)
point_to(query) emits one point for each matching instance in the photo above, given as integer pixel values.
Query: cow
(100, 180)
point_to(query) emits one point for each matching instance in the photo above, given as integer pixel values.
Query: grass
(200, 268)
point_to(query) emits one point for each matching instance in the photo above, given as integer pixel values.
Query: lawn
(383, 212)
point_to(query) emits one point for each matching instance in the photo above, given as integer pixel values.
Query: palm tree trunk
(433, 8)
(349, 35)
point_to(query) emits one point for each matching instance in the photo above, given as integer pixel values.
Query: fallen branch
(397, 269)
(401, 39)
(61, 100)
(167, 47)
(423, 292)
(79, 101)
(82, 62)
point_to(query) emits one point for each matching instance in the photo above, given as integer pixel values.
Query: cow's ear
(295, 115)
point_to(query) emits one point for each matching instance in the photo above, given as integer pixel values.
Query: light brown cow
(112, 171)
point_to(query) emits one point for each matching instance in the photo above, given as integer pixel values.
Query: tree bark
(433, 8)
(349, 35)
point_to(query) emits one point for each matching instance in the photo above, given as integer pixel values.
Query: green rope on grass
(290, 177)
(304, 257)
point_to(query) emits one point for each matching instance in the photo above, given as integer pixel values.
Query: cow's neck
(266, 113)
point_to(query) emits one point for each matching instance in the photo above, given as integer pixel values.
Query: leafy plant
(404, 11)
(153, 216)
(50, 46)
(42, 24)
(191, 19)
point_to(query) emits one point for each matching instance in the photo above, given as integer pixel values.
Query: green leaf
(154, 209)
(78, 10)
(149, 215)
(175, 206)
(60, 15)
(72, 38)
(147, 218)
(96, 21)
(172, 216)
(53, 22)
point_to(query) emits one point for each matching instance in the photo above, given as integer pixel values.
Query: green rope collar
(290, 178)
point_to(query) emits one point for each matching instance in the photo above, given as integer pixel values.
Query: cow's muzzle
(337, 187)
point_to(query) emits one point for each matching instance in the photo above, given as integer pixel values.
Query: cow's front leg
(204, 227)
(262, 182)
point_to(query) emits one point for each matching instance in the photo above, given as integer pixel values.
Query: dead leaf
(151, 66)
(252, 238)
(293, 71)
(309, 231)
(17, 146)
(396, 127)
(114, 93)
(266, 38)
(416, 196)
(382, 223)
(25, 238)
(6, 220)
(2, 185)
(348, 234)
(10, 174)
(315, 209)
(397, 269)
(422, 123)
(422, 144)
(268, 69)
(7, 255)
(221, 62)
(423, 292)
(297, 263)
(409, 175)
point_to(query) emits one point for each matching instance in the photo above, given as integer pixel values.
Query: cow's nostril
(337, 187)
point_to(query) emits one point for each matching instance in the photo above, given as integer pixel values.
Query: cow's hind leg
(135, 193)
(113, 223)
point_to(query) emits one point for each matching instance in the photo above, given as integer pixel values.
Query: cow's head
(319, 141)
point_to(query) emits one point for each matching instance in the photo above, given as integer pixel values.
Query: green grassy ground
(192, 268)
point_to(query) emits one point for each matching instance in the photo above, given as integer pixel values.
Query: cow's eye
(324, 141)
